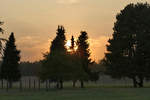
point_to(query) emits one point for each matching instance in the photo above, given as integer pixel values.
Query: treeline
(127, 56)
(59, 65)
(30, 68)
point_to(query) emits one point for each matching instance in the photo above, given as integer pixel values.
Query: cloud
(67, 1)
(32, 47)
(98, 47)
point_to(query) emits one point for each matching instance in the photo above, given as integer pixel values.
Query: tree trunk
(46, 85)
(82, 84)
(74, 84)
(2, 82)
(61, 84)
(29, 83)
(134, 82)
(7, 86)
(141, 82)
(39, 84)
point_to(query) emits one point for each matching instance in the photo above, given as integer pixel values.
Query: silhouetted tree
(1, 39)
(55, 63)
(129, 50)
(1, 30)
(72, 47)
(76, 71)
(83, 53)
(10, 65)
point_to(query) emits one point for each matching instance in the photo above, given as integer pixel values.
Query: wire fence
(34, 83)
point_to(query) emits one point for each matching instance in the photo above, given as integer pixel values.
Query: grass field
(79, 94)
(105, 89)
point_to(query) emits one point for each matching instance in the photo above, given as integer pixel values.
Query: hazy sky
(34, 22)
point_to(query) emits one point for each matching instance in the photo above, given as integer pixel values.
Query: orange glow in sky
(34, 23)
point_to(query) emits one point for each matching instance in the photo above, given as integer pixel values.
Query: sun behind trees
(59, 65)
(127, 56)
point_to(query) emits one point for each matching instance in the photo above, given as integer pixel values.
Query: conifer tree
(55, 62)
(72, 47)
(76, 71)
(10, 64)
(83, 53)
(1, 30)
(74, 65)
(1, 39)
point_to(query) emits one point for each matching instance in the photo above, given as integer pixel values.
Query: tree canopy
(10, 64)
(55, 62)
(129, 49)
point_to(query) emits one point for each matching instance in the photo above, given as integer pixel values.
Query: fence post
(7, 86)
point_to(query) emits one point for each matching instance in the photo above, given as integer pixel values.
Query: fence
(33, 83)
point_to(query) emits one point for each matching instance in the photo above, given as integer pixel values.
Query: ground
(100, 93)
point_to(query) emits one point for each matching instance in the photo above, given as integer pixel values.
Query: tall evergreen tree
(83, 53)
(129, 49)
(73, 56)
(55, 63)
(1, 30)
(10, 65)
(76, 70)
(58, 44)
(72, 47)
(1, 39)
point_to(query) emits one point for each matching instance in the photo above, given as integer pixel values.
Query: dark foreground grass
(80, 94)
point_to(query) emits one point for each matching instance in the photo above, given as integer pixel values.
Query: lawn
(79, 94)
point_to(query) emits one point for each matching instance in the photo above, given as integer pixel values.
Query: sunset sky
(34, 23)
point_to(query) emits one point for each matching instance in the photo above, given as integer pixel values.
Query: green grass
(79, 94)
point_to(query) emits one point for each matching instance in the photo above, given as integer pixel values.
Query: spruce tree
(10, 64)
(55, 62)
(1, 30)
(74, 64)
(76, 71)
(83, 53)
(1, 39)
(72, 47)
